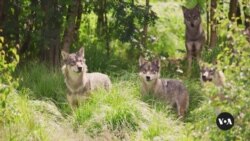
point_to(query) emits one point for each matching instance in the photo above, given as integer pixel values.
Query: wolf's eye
(154, 71)
(144, 71)
(211, 71)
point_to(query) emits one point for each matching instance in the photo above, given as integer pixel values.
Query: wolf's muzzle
(147, 78)
(79, 69)
(205, 79)
(192, 24)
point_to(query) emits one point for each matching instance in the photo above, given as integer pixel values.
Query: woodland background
(114, 34)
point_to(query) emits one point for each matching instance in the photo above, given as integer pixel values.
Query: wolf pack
(80, 83)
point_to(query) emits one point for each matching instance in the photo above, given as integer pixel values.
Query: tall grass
(44, 84)
(123, 113)
(18, 121)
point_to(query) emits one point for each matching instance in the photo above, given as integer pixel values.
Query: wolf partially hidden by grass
(78, 81)
(194, 35)
(169, 90)
(212, 74)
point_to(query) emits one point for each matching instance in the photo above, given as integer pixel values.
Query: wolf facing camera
(78, 81)
(194, 34)
(169, 90)
(211, 74)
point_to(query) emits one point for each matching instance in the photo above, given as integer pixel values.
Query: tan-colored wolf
(169, 90)
(78, 81)
(211, 74)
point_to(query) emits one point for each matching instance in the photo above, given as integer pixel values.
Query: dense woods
(114, 33)
(43, 28)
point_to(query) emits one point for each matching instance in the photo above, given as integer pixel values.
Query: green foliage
(8, 62)
(169, 39)
(192, 3)
(43, 84)
(16, 118)
(232, 55)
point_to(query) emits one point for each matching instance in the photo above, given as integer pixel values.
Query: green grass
(122, 112)
(35, 77)
(18, 121)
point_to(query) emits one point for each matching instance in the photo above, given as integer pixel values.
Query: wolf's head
(192, 17)
(149, 71)
(207, 73)
(74, 62)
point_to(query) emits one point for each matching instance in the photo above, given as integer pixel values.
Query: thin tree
(1, 11)
(71, 24)
(213, 24)
(208, 21)
(234, 11)
(145, 28)
(51, 29)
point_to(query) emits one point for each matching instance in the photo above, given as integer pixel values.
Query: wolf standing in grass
(170, 90)
(194, 35)
(78, 81)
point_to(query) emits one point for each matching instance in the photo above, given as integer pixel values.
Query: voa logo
(225, 121)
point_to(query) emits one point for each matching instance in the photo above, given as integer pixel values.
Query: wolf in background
(78, 81)
(212, 74)
(194, 34)
(169, 90)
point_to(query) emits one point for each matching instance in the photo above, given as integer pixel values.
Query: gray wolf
(169, 90)
(211, 74)
(78, 81)
(194, 34)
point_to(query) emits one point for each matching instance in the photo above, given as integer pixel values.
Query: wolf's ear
(202, 67)
(81, 52)
(157, 62)
(197, 7)
(184, 9)
(214, 68)
(64, 55)
(141, 61)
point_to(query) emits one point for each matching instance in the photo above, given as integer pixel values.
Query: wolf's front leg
(72, 101)
(144, 92)
(189, 64)
(198, 49)
(189, 57)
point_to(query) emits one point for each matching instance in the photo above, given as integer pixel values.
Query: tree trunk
(145, 28)
(102, 29)
(247, 25)
(107, 40)
(78, 20)
(208, 21)
(213, 24)
(234, 11)
(50, 53)
(100, 19)
(16, 21)
(70, 29)
(1, 11)
(30, 25)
